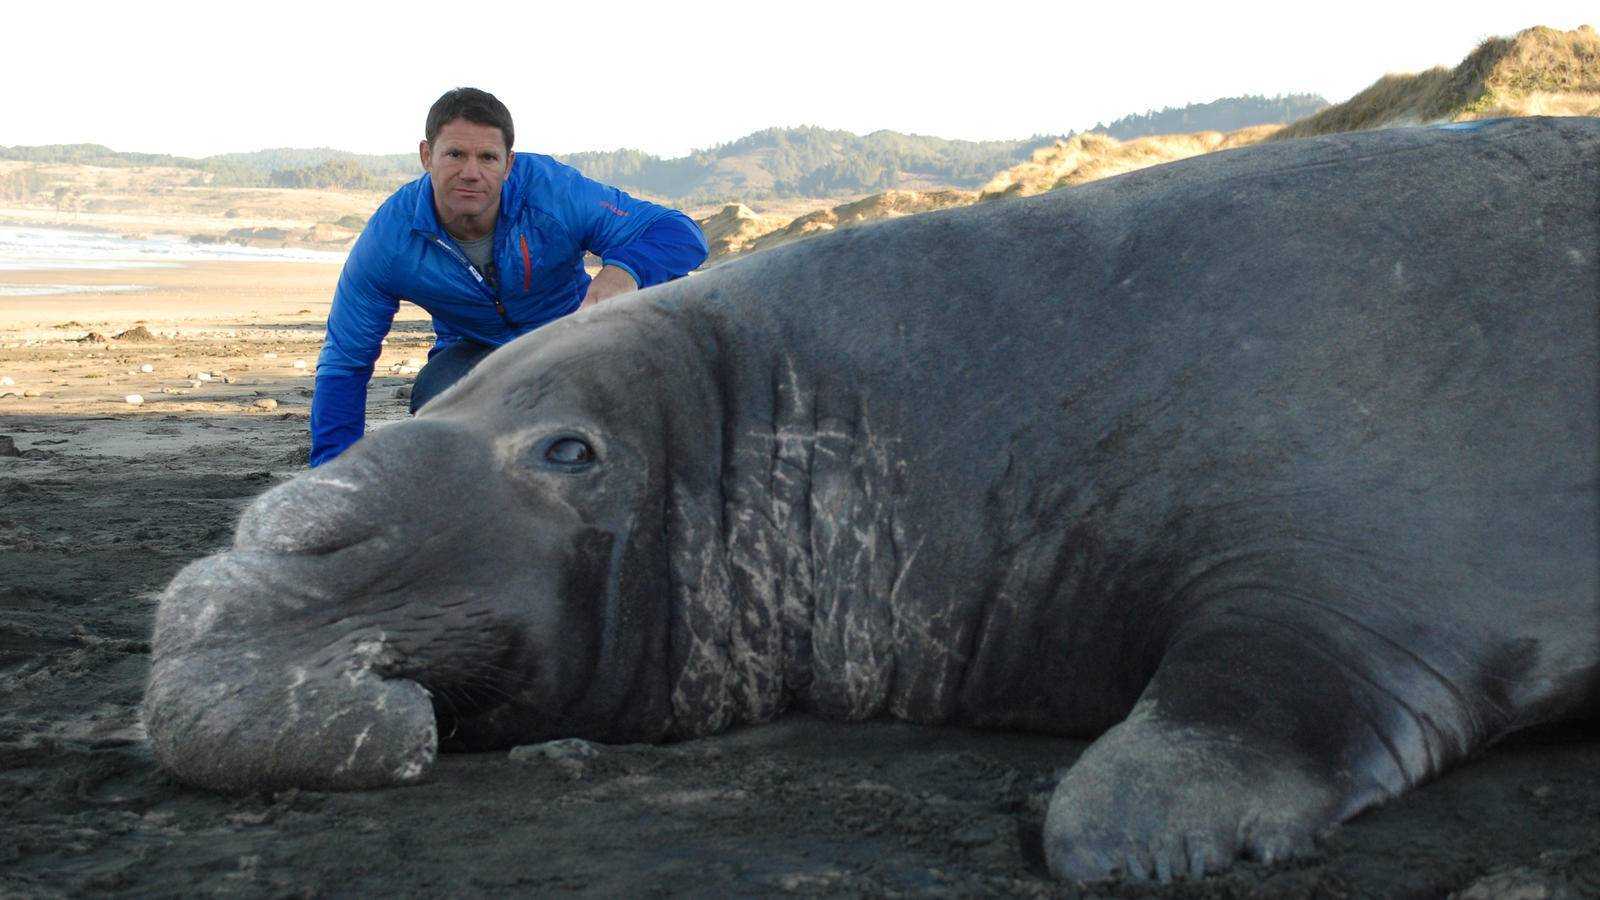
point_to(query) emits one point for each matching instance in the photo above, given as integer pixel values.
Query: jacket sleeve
(651, 242)
(361, 315)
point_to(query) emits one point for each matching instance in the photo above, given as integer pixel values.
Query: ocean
(24, 248)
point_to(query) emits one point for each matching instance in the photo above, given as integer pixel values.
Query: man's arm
(671, 246)
(608, 282)
(641, 243)
(361, 315)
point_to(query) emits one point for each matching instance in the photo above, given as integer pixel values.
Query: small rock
(8, 446)
(266, 403)
(566, 749)
(133, 400)
(202, 376)
(260, 817)
(403, 392)
(299, 364)
(147, 368)
(227, 379)
(31, 392)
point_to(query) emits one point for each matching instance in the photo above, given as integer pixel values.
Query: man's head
(466, 149)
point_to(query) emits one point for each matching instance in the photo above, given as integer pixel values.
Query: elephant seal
(1276, 468)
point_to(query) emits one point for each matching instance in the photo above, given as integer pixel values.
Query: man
(491, 244)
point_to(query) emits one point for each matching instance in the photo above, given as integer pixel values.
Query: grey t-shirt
(481, 252)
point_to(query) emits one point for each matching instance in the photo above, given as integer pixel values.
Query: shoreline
(230, 293)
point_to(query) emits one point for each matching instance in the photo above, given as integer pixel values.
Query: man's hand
(608, 282)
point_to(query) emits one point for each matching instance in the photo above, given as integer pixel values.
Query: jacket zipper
(493, 297)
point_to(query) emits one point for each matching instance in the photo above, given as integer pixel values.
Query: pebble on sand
(266, 403)
(201, 376)
(31, 392)
(299, 364)
(147, 368)
(133, 400)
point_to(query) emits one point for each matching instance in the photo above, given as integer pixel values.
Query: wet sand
(105, 502)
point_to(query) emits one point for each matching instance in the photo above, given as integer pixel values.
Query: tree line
(807, 161)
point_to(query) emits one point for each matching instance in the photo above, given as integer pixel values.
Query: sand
(106, 501)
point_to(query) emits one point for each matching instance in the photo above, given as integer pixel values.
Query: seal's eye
(569, 453)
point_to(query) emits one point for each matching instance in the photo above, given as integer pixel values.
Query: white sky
(197, 78)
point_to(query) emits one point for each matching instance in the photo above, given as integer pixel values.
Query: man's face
(468, 162)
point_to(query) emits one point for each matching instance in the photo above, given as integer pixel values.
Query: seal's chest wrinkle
(788, 589)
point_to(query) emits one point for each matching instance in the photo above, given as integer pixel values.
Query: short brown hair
(477, 107)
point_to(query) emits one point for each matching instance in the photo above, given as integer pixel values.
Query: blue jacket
(549, 215)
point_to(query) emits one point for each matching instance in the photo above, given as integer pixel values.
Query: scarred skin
(1274, 469)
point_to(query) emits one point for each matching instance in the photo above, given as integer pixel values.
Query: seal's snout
(270, 716)
(247, 692)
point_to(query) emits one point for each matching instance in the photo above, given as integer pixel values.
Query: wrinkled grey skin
(1274, 468)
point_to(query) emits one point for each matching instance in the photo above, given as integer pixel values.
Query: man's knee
(444, 369)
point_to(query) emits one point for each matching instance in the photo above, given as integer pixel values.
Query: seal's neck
(786, 546)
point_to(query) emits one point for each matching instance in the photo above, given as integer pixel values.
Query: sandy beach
(101, 502)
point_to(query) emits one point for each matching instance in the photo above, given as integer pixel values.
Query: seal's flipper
(1252, 753)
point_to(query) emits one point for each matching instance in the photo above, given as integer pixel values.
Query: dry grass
(737, 230)
(733, 229)
(1540, 71)
(1086, 157)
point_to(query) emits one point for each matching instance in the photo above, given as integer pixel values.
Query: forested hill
(807, 162)
(774, 163)
(1228, 114)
